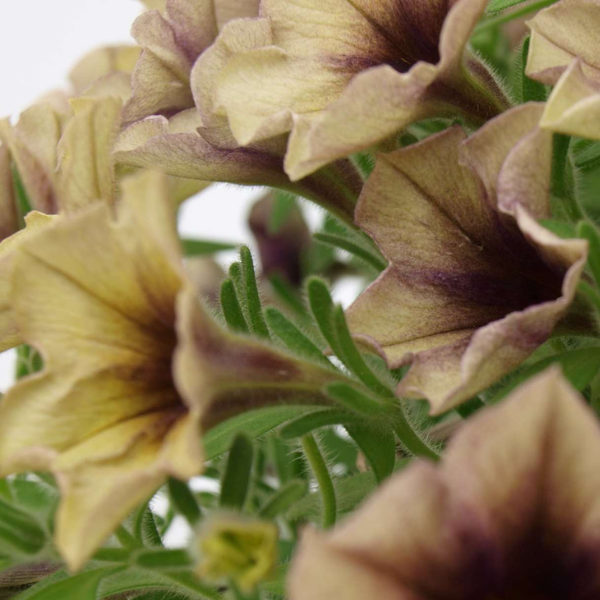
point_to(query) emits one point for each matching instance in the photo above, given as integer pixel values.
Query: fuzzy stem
(319, 468)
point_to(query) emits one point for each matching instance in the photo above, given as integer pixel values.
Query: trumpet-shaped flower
(511, 512)
(135, 370)
(347, 75)
(474, 284)
(172, 41)
(565, 31)
(198, 144)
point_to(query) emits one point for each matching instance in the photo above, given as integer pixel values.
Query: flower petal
(574, 105)
(560, 33)
(86, 166)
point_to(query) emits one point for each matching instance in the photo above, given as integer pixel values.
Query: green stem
(319, 468)
(410, 438)
(510, 16)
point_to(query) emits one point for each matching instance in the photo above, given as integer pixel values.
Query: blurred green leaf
(379, 447)
(183, 500)
(308, 423)
(20, 530)
(232, 309)
(290, 493)
(578, 366)
(162, 558)
(362, 251)
(236, 478)
(354, 400)
(81, 587)
(253, 423)
(191, 247)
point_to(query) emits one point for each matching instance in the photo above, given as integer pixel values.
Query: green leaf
(354, 400)
(162, 558)
(315, 420)
(290, 493)
(350, 492)
(590, 233)
(378, 446)
(293, 338)
(192, 247)
(253, 423)
(578, 366)
(562, 229)
(236, 479)
(332, 323)
(526, 89)
(20, 530)
(361, 251)
(82, 587)
(586, 155)
(496, 6)
(231, 308)
(287, 294)
(253, 303)
(145, 529)
(183, 500)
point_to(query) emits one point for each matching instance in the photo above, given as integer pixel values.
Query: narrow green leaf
(231, 308)
(253, 303)
(578, 366)
(20, 530)
(378, 446)
(354, 400)
(82, 587)
(314, 420)
(144, 527)
(183, 500)
(321, 306)
(337, 241)
(292, 492)
(191, 247)
(587, 158)
(293, 338)
(353, 359)
(590, 233)
(319, 468)
(163, 558)
(498, 5)
(526, 89)
(236, 479)
(470, 407)
(253, 423)
(499, 19)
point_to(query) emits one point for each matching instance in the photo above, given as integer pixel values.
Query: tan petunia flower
(135, 369)
(344, 76)
(172, 41)
(198, 144)
(512, 511)
(475, 284)
(565, 31)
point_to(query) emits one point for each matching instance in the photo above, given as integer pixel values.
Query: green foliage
(236, 478)
(191, 247)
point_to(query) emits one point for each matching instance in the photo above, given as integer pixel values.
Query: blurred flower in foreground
(134, 367)
(316, 66)
(475, 284)
(507, 514)
(565, 31)
(237, 549)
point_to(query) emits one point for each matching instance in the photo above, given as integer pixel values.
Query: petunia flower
(172, 41)
(345, 76)
(198, 144)
(567, 30)
(510, 512)
(135, 369)
(474, 284)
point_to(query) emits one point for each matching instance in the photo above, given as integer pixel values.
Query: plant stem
(319, 468)
(509, 16)
(410, 438)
